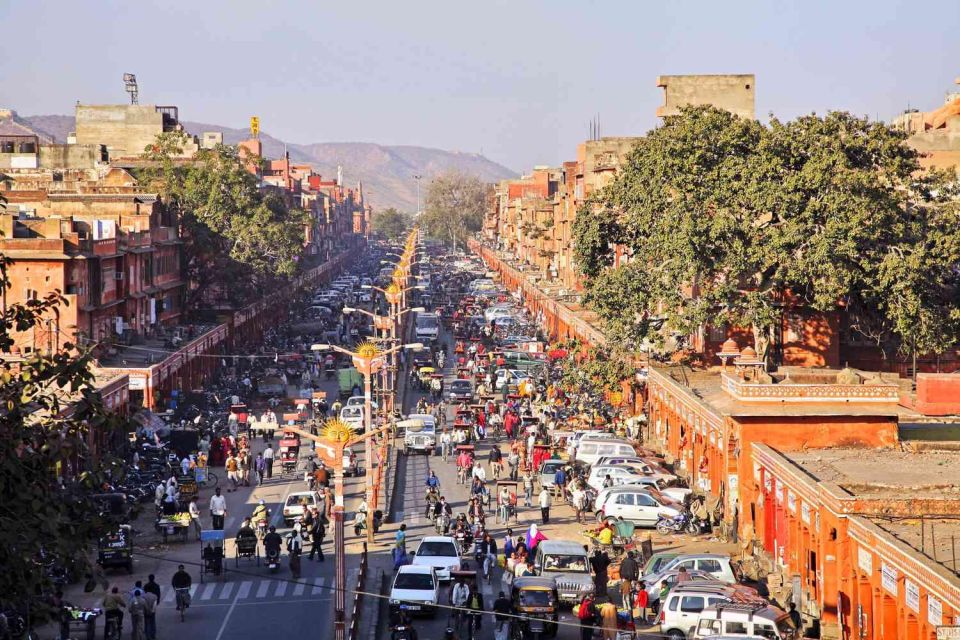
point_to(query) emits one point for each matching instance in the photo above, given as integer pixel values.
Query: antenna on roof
(130, 84)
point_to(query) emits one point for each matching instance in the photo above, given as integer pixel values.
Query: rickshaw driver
(246, 531)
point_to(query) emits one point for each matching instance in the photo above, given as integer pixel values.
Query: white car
(620, 474)
(510, 377)
(353, 416)
(293, 507)
(439, 552)
(715, 564)
(633, 504)
(357, 401)
(417, 588)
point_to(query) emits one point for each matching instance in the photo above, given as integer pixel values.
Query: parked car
(589, 450)
(658, 561)
(633, 504)
(417, 588)
(713, 563)
(738, 620)
(619, 474)
(680, 614)
(439, 552)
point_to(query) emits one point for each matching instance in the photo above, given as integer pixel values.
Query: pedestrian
(586, 614)
(259, 465)
(402, 538)
(218, 509)
(795, 616)
(559, 483)
(502, 608)
(151, 598)
(544, 505)
(268, 460)
(194, 510)
(232, 466)
(137, 609)
(608, 620)
(528, 488)
(682, 575)
(245, 464)
(578, 498)
(317, 534)
(113, 606)
(629, 572)
(599, 561)
(642, 602)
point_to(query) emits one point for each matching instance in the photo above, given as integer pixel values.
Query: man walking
(268, 460)
(629, 572)
(137, 609)
(544, 505)
(317, 533)
(194, 510)
(260, 467)
(151, 598)
(559, 483)
(218, 509)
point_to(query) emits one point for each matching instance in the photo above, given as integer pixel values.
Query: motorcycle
(683, 522)
(273, 560)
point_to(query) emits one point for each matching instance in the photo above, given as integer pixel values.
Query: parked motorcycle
(684, 522)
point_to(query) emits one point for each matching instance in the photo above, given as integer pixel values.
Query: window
(764, 630)
(688, 564)
(644, 500)
(6, 147)
(673, 604)
(710, 565)
(625, 498)
(691, 604)
(418, 581)
(437, 550)
(736, 627)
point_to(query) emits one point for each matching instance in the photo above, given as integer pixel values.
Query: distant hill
(386, 171)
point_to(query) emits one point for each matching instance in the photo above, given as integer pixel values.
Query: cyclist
(272, 543)
(496, 461)
(181, 583)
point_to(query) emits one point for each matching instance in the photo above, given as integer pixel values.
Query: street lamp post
(417, 178)
(367, 359)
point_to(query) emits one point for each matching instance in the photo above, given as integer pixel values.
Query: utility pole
(417, 178)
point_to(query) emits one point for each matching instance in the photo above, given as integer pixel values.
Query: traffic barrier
(354, 631)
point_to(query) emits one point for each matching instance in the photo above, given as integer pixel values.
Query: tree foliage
(595, 370)
(390, 223)
(729, 221)
(238, 240)
(40, 518)
(455, 206)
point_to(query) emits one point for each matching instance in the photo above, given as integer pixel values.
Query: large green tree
(47, 474)
(390, 223)
(729, 221)
(455, 206)
(238, 241)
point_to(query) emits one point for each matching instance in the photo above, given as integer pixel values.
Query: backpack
(585, 612)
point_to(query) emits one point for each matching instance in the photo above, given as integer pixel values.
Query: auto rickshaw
(536, 603)
(506, 504)
(115, 549)
(425, 374)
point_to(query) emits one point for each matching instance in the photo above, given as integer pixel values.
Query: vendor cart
(176, 525)
(187, 486)
(211, 554)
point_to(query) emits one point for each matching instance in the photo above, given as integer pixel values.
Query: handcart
(211, 554)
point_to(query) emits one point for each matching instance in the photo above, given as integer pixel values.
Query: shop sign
(805, 512)
(888, 577)
(949, 633)
(865, 560)
(934, 611)
(792, 501)
(138, 383)
(913, 596)
(779, 491)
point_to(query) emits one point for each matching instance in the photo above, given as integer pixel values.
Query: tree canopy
(455, 206)
(390, 223)
(237, 240)
(46, 472)
(730, 221)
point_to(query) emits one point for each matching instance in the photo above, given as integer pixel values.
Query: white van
(427, 327)
(680, 615)
(590, 450)
(745, 620)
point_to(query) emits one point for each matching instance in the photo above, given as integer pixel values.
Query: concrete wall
(126, 129)
(70, 156)
(735, 93)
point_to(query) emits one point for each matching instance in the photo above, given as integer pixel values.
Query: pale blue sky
(518, 80)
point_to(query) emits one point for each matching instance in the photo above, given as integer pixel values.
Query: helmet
(448, 634)
(261, 503)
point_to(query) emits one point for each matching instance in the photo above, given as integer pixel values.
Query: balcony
(791, 391)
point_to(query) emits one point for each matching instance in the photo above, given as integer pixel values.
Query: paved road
(250, 602)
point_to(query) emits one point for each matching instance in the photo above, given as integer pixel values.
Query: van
(427, 327)
(590, 450)
(745, 620)
(679, 616)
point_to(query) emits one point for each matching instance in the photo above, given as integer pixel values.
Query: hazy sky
(516, 80)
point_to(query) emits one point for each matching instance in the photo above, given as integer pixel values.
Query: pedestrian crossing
(235, 588)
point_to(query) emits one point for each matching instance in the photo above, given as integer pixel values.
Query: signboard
(138, 383)
(779, 491)
(948, 633)
(865, 560)
(792, 501)
(805, 512)
(888, 578)
(913, 596)
(254, 126)
(934, 611)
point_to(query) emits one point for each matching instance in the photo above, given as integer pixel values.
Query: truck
(420, 433)
(349, 378)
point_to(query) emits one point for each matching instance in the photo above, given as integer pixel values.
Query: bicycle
(111, 627)
(183, 601)
(462, 475)
(496, 469)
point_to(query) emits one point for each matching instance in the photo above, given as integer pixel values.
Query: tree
(40, 445)
(728, 221)
(455, 206)
(390, 223)
(237, 241)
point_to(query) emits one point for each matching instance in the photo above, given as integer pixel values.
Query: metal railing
(353, 632)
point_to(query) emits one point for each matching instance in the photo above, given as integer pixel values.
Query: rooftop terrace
(877, 473)
(936, 538)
